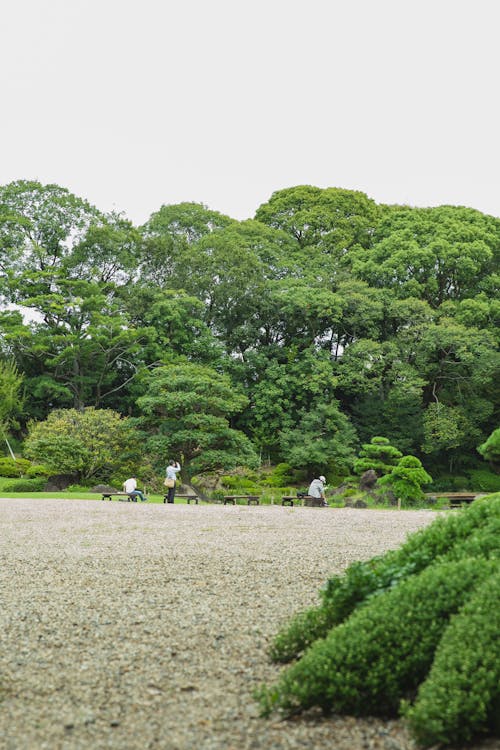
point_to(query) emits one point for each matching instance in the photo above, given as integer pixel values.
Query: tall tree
(185, 411)
(39, 224)
(330, 219)
(431, 253)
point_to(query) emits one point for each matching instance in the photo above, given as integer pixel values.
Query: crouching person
(130, 487)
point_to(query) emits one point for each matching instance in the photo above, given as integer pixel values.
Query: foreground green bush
(384, 650)
(449, 537)
(461, 696)
(419, 621)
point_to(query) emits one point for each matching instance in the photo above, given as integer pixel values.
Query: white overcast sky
(133, 104)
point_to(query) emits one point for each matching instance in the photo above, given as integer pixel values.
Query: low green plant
(451, 483)
(482, 480)
(282, 474)
(38, 470)
(236, 482)
(13, 468)
(383, 651)
(461, 696)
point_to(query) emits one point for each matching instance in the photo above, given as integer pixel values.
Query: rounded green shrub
(13, 468)
(38, 470)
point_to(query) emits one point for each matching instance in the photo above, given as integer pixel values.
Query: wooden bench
(456, 498)
(307, 500)
(313, 502)
(120, 495)
(186, 497)
(251, 499)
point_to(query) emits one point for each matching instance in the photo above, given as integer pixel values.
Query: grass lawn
(80, 496)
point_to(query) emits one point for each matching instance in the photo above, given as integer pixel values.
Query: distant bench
(123, 496)
(251, 499)
(187, 497)
(307, 500)
(456, 498)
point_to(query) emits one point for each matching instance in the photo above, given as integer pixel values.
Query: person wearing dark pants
(173, 469)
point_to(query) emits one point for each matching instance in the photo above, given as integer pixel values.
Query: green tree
(406, 479)
(92, 444)
(11, 398)
(171, 230)
(83, 346)
(329, 219)
(185, 411)
(378, 455)
(435, 254)
(233, 271)
(39, 225)
(110, 251)
(490, 450)
(323, 438)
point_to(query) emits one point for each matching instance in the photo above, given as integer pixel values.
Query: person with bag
(172, 469)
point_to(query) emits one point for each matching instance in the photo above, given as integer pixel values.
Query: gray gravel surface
(147, 626)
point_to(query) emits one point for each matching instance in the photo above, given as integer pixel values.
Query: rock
(368, 480)
(59, 482)
(100, 488)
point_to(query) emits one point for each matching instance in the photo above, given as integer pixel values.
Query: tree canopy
(333, 318)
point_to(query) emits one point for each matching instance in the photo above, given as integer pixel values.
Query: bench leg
(229, 502)
(253, 502)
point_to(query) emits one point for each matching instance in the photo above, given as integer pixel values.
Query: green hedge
(461, 696)
(381, 654)
(26, 485)
(449, 537)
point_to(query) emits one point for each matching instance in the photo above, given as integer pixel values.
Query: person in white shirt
(173, 469)
(130, 487)
(317, 489)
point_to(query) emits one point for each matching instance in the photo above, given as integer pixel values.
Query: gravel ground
(147, 626)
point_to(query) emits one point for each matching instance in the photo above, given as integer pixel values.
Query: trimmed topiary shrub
(419, 621)
(461, 696)
(449, 537)
(384, 650)
(406, 479)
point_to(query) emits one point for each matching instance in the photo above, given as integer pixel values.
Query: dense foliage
(336, 319)
(419, 621)
(89, 443)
